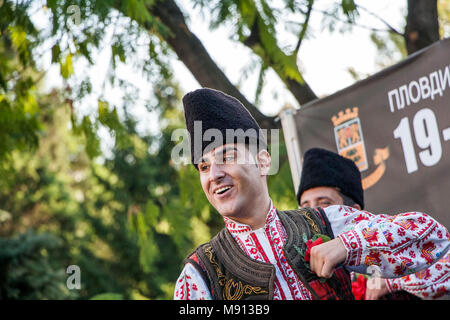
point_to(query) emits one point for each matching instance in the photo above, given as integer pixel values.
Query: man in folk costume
(263, 253)
(329, 179)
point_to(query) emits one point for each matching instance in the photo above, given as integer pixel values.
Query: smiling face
(234, 180)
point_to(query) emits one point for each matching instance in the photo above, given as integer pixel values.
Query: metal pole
(292, 143)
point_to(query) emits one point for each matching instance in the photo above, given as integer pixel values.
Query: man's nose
(216, 171)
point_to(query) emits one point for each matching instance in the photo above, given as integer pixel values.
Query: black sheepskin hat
(323, 168)
(218, 113)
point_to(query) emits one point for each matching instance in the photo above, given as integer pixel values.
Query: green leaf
(350, 10)
(56, 52)
(325, 238)
(304, 237)
(18, 37)
(299, 251)
(66, 67)
(92, 140)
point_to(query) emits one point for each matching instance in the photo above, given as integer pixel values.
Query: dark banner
(395, 125)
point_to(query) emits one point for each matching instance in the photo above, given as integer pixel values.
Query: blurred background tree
(95, 187)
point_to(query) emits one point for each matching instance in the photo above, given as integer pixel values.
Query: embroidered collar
(239, 228)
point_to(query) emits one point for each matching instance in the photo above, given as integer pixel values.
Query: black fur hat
(218, 112)
(328, 169)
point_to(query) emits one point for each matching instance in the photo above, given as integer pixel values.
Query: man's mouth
(222, 190)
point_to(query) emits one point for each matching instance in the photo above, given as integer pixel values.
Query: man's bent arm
(397, 245)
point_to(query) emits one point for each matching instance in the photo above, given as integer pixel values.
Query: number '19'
(427, 137)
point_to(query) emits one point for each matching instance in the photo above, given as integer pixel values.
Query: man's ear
(263, 161)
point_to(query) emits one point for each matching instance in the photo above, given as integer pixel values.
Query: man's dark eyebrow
(221, 152)
(225, 150)
(324, 197)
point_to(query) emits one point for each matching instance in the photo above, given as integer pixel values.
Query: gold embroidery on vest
(222, 278)
(313, 224)
(233, 290)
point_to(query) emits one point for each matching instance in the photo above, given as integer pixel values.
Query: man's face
(320, 197)
(232, 180)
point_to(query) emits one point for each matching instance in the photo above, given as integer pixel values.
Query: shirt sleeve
(431, 283)
(190, 285)
(388, 246)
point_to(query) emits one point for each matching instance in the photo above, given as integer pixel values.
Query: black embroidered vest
(232, 275)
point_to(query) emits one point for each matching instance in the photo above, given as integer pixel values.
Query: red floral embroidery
(370, 235)
(408, 224)
(401, 232)
(421, 219)
(388, 237)
(424, 274)
(360, 217)
(373, 258)
(426, 252)
(403, 267)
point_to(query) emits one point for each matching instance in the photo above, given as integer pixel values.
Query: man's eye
(203, 167)
(228, 158)
(324, 204)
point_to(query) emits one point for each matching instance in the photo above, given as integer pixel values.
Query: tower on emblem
(349, 137)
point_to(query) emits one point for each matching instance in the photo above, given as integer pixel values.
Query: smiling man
(263, 253)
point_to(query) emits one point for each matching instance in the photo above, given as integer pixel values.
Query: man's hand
(326, 256)
(376, 287)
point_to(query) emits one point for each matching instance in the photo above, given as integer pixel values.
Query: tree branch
(300, 90)
(304, 27)
(356, 24)
(390, 27)
(195, 57)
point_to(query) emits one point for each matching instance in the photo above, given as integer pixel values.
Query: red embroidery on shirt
(426, 252)
(370, 235)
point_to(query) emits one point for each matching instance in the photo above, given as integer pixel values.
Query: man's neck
(257, 218)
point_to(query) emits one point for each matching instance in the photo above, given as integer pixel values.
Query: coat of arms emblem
(350, 144)
(349, 137)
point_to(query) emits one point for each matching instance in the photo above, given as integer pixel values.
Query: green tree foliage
(19, 125)
(27, 270)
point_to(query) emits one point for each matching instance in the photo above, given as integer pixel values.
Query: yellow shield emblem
(350, 144)
(349, 137)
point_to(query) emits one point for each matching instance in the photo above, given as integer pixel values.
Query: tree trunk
(422, 24)
(195, 57)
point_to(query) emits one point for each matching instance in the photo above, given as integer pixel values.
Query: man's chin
(226, 210)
